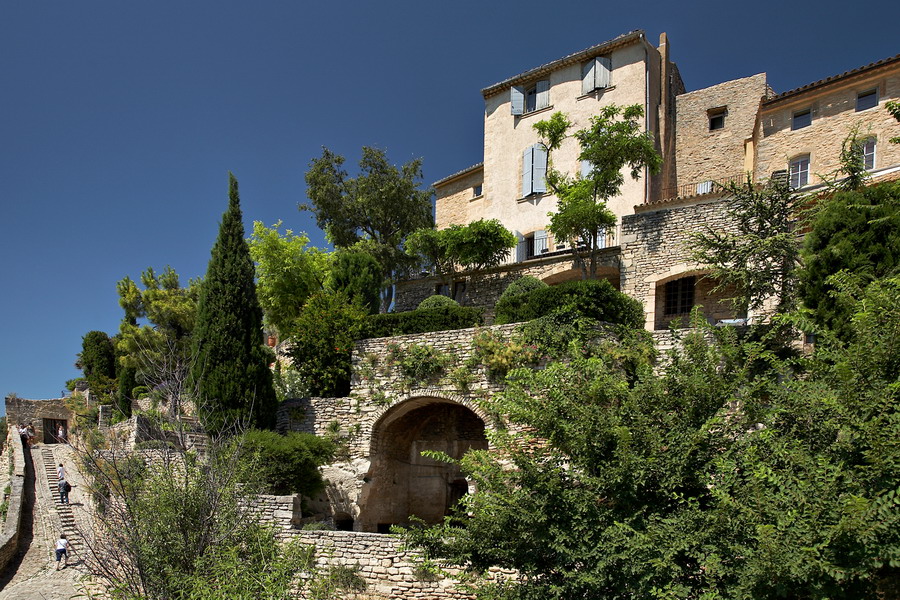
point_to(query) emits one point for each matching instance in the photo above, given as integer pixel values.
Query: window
(704, 187)
(534, 170)
(799, 171)
(679, 296)
(866, 100)
(868, 154)
(442, 289)
(802, 118)
(523, 100)
(459, 291)
(476, 190)
(595, 74)
(717, 118)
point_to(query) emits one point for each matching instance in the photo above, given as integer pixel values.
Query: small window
(595, 74)
(523, 100)
(717, 119)
(476, 190)
(799, 171)
(442, 289)
(801, 119)
(459, 291)
(868, 154)
(866, 100)
(680, 296)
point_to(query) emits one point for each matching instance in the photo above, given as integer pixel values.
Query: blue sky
(120, 120)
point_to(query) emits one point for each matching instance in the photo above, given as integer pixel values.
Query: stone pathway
(34, 574)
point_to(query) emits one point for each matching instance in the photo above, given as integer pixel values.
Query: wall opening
(402, 483)
(52, 429)
(677, 296)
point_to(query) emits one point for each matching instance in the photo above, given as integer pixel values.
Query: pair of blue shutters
(534, 170)
(525, 100)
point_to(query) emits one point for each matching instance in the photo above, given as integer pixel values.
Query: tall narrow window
(866, 100)
(801, 119)
(800, 171)
(868, 154)
(680, 296)
(534, 170)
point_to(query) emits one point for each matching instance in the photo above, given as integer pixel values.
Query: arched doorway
(401, 482)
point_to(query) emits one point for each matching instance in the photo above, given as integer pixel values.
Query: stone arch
(400, 482)
(715, 304)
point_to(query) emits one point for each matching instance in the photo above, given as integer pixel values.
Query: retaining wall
(9, 539)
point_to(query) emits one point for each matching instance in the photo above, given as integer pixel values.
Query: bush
(595, 299)
(522, 285)
(289, 463)
(421, 321)
(436, 301)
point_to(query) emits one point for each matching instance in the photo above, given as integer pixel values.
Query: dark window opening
(866, 100)
(384, 527)
(680, 296)
(442, 289)
(476, 190)
(459, 291)
(344, 524)
(717, 119)
(802, 119)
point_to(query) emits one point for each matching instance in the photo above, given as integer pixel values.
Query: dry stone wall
(15, 458)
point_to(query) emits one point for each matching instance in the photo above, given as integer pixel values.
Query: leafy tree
(380, 208)
(322, 344)
(893, 107)
(287, 272)
(357, 274)
(855, 231)
(230, 370)
(760, 257)
(288, 464)
(477, 246)
(97, 362)
(613, 142)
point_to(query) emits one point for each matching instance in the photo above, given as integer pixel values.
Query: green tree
(854, 231)
(760, 257)
(893, 107)
(287, 464)
(379, 208)
(358, 275)
(476, 246)
(612, 145)
(287, 272)
(98, 363)
(230, 370)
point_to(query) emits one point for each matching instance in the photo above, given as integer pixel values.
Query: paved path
(33, 575)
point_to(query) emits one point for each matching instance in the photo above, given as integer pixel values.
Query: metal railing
(699, 188)
(545, 247)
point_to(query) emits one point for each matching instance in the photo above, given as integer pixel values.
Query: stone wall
(9, 538)
(702, 154)
(23, 410)
(833, 115)
(456, 198)
(280, 512)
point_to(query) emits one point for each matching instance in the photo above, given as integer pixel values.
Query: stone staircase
(67, 519)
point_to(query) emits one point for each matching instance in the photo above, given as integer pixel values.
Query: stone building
(724, 133)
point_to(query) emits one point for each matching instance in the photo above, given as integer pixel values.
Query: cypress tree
(231, 373)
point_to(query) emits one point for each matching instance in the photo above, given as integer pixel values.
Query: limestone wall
(833, 114)
(23, 410)
(9, 538)
(281, 512)
(456, 199)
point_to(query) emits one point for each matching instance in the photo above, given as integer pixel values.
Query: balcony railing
(699, 188)
(544, 247)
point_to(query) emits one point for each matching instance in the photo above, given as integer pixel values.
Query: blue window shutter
(543, 94)
(602, 72)
(517, 100)
(521, 247)
(527, 168)
(585, 168)
(587, 77)
(539, 169)
(540, 242)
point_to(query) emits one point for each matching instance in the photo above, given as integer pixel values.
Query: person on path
(62, 551)
(30, 430)
(64, 489)
(60, 472)
(61, 435)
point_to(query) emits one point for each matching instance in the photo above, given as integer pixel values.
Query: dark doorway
(52, 429)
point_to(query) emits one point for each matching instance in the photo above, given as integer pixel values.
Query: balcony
(543, 247)
(701, 188)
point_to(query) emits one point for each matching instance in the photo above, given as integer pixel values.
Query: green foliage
(760, 259)
(596, 299)
(856, 231)
(614, 140)
(97, 362)
(893, 107)
(421, 321)
(287, 272)
(522, 285)
(287, 464)
(733, 474)
(231, 369)
(477, 246)
(420, 364)
(357, 274)
(377, 209)
(72, 383)
(288, 382)
(437, 301)
(322, 343)
(500, 355)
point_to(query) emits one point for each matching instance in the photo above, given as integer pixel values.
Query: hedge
(596, 299)
(421, 321)
(436, 301)
(523, 285)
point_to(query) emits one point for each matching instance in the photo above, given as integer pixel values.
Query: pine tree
(230, 373)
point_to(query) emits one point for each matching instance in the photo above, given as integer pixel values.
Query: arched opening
(401, 482)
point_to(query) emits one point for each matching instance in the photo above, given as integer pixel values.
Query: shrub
(419, 363)
(595, 299)
(288, 463)
(522, 285)
(421, 321)
(437, 301)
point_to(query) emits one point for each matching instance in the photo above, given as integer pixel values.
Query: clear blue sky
(120, 120)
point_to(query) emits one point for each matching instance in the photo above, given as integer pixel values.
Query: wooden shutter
(543, 94)
(527, 171)
(602, 72)
(517, 100)
(587, 77)
(540, 242)
(585, 169)
(539, 169)
(521, 247)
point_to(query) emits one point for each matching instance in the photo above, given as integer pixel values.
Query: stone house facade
(724, 133)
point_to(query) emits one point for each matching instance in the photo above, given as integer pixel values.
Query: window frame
(679, 294)
(717, 113)
(806, 112)
(477, 190)
(868, 157)
(871, 93)
(801, 173)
